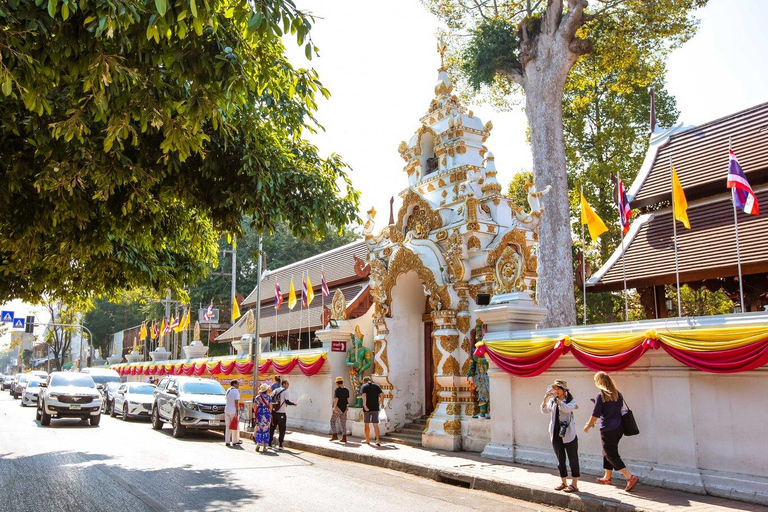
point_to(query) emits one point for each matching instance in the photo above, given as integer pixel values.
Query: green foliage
(109, 316)
(699, 302)
(492, 47)
(134, 132)
(516, 189)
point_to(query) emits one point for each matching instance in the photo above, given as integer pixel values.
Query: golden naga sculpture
(339, 306)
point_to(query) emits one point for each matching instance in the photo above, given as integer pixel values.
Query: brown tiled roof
(286, 319)
(707, 250)
(338, 265)
(700, 156)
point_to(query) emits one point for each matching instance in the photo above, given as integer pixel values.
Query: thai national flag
(278, 296)
(625, 210)
(323, 285)
(743, 195)
(304, 293)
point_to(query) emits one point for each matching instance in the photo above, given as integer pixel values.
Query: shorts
(371, 416)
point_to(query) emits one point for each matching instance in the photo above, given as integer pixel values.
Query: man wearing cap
(339, 414)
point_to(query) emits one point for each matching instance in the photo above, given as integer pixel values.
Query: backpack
(277, 399)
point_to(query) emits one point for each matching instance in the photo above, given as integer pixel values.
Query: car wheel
(45, 418)
(178, 428)
(22, 402)
(157, 423)
(95, 420)
(37, 412)
(112, 412)
(125, 412)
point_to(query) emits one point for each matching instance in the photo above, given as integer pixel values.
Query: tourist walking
(608, 408)
(263, 410)
(339, 414)
(371, 393)
(560, 404)
(281, 399)
(231, 426)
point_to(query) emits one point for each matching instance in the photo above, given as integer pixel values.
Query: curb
(582, 502)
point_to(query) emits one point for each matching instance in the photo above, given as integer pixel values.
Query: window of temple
(428, 158)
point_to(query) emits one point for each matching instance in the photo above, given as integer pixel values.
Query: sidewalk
(529, 483)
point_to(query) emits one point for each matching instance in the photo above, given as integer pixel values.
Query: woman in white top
(560, 404)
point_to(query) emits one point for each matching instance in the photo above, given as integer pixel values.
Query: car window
(163, 384)
(33, 384)
(173, 385)
(103, 379)
(142, 389)
(209, 387)
(74, 379)
(121, 389)
(24, 378)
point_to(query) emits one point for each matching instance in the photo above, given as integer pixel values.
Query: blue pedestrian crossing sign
(18, 323)
(7, 316)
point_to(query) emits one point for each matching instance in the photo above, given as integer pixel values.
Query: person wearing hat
(560, 404)
(339, 414)
(262, 404)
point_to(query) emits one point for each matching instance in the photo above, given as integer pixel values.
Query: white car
(68, 395)
(30, 392)
(133, 400)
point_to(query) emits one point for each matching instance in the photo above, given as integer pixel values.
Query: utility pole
(256, 343)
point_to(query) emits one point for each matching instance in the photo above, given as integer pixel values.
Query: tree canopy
(134, 132)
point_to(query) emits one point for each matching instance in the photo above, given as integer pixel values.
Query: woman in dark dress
(608, 406)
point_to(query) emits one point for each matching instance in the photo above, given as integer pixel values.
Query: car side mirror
(43, 384)
(99, 386)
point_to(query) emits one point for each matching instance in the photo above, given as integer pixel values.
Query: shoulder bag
(628, 421)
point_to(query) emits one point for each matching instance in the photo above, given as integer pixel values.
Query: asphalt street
(119, 465)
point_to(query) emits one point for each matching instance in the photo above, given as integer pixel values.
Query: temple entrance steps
(409, 434)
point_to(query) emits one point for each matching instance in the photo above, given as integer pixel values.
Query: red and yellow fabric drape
(308, 365)
(714, 350)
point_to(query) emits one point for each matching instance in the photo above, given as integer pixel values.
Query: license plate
(214, 423)
(74, 406)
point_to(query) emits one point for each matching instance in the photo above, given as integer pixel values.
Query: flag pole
(584, 263)
(674, 242)
(738, 249)
(623, 256)
(322, 296)
(301, 308)
(290, 310)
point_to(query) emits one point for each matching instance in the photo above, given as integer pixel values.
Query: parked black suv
(188, 403)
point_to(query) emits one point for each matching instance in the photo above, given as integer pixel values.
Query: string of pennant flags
(742, 195)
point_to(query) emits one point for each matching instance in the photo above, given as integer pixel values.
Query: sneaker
(228, 444)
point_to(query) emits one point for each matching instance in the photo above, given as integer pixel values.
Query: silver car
(18, 384)
(133, 400)
(189, 403)
(30, 392)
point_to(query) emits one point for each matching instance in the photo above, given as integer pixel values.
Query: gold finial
(441, 49)
(372, 212)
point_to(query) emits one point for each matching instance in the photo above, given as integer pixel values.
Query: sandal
(604, 481)
(571, 488)
(560, 487)
(631, 483)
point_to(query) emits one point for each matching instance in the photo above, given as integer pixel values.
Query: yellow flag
(235, 310)
(143, 332)
(679, 202)
(310, 293)
(594, 223)
(291, 296)
(162, 327)
(187, 319)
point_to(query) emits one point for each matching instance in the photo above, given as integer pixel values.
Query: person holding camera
(560, 404)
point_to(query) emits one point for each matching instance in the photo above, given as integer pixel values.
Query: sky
(380, 63)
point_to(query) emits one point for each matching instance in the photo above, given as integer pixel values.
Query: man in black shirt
(371, 393)
(339, 415)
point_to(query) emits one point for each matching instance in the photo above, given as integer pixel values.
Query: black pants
(572, 450)
(279, 420)
(611, 458)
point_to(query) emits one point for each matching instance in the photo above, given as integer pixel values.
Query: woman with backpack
(560, 404)
(263, 407)
(608, 408)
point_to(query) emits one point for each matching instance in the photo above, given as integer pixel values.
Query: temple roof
(705, 251)
(338, 265)
(700, 156)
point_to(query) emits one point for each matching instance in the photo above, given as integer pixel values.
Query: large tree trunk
(543, 82)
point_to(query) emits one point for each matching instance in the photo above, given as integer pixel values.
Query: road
(71, 466)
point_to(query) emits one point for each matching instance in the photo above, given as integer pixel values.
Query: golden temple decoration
(411, 200)
(462, 324)
(453, 409)
(339, 306)
(509, 271)
(452, 427)
(449, 344)
(451, 366)
(196, 330)
(515, 236)
(473, 243)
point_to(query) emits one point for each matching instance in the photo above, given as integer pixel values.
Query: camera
(563, 428)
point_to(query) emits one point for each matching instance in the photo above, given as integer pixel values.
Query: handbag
(628, 421)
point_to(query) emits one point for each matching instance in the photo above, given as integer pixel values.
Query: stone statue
(358, 361)
(477, 376)
(196, 332)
